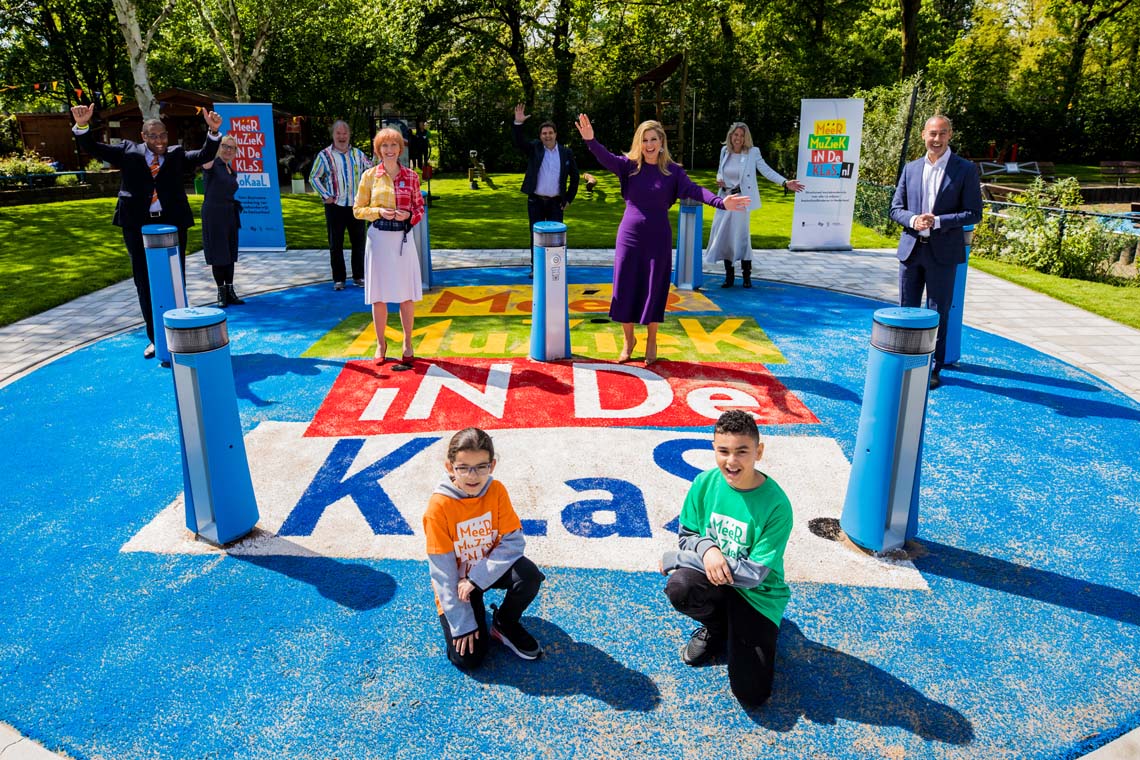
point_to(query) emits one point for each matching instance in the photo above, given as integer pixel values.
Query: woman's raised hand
(585, 128)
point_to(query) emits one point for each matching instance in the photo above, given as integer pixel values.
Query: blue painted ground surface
(1025, 646)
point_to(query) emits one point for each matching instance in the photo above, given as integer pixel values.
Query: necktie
(154, 167)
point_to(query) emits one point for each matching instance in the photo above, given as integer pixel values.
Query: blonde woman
(651, 182)
(730, 239)
(221, 220)
(389, 199)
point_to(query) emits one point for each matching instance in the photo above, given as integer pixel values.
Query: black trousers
(750, 638)
(920, 271)
(540, 208)
(338, 220)
(521, 583)
(132, 238)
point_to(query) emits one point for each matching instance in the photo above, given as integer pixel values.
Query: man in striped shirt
(335, 176)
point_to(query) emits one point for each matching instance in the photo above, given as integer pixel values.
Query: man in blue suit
(551, 179)
(938, 194)
(151, 189)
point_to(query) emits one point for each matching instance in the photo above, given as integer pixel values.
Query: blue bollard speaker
(220, 504)
(422, 236)
(687, 273)
(164, 270)
(550, 310)
(880, 512)
(957, 306)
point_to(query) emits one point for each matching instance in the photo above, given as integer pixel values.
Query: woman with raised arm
(730, 239)
(651, 182)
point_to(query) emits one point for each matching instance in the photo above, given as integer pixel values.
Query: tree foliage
(1058, 78)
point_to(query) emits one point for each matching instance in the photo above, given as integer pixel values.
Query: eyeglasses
(155, 135)
(227, 147)
(479, 469)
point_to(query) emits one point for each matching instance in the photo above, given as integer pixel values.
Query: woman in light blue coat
(731, 238)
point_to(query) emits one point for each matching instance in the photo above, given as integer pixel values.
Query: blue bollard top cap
(195, 316)
(907, 317)
(549, 227)
(159, 229)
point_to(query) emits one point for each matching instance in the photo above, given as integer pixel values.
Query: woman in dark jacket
(221, 220)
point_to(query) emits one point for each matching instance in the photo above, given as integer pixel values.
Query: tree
(1079, 20)
(241, 31)
(69, 41)
(138, 47)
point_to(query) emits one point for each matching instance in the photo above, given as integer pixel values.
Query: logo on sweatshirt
(474, 539)
(730, 535)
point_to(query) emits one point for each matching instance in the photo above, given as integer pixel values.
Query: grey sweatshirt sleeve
(489, 569)
(445, 580)
(690, 541)
(745, 573)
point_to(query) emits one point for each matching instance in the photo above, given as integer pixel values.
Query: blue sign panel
(251, 124)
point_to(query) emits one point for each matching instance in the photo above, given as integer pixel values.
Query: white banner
(831, 133)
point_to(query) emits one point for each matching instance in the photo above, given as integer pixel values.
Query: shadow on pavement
(569, 667)
(825, 685)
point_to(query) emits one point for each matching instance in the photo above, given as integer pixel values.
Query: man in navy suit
(151, 189)
(551, 179)
(938, 194)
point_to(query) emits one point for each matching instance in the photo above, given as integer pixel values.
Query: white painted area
(535, 466)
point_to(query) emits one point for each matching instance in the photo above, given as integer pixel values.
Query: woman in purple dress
(651, 182)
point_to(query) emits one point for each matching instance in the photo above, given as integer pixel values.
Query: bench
(1121, 170)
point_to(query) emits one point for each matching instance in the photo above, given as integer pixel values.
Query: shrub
(67, 180)
(1039, 233)
(21, 166)
(94, 165)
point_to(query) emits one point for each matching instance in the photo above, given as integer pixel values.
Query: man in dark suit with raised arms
(938, 194)
(551, 179)
(151, 189)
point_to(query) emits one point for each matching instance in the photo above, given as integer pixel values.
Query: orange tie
(154, 167)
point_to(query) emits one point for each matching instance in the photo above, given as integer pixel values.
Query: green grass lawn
(1118, 303)
(53, 253)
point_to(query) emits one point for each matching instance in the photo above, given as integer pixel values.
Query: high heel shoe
(407, 362)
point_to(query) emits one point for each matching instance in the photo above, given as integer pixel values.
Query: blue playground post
(422, 235)
(687, 274)
(550, 311)
(880, 512)
(957, 307)
(164, 270)
(220, 503)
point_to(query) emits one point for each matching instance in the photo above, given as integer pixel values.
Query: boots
(223, 297)
(746, 273)
(729, 275)
(232, 296)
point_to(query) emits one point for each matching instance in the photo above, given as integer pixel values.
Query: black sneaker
(515, 638)
(701, 648)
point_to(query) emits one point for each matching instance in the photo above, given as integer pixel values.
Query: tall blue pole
(880, 512)
(687, 273)
(422, 235)
(958, 305)
(220, 503)
(164, 270)
(550, 309)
